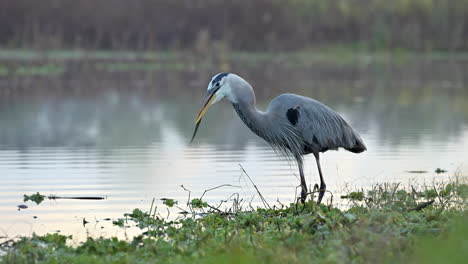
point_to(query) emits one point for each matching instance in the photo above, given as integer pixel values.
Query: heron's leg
(303, 181)
(323, 187)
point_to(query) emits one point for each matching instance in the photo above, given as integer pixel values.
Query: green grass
(385, 224)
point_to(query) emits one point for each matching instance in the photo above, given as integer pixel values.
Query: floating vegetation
(39, 198)
(52, 197)
(416, 171)
(36, 197)
(439, 170)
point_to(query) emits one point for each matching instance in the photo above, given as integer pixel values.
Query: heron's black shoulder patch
(292, 115)
(218, 77)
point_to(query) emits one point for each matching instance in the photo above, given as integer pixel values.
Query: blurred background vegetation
(272, 25)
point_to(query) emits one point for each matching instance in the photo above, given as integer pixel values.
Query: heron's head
(229, 85)
(218, 88)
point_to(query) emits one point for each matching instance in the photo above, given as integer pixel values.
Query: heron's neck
(254, 119)
(281, 136)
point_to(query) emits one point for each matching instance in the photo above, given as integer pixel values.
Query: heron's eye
(217, 84)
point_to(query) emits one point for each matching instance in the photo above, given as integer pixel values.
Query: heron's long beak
(207, 102)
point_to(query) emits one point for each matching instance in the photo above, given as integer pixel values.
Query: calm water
(123, 134)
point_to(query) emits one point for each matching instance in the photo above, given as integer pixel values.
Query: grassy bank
(386, 224)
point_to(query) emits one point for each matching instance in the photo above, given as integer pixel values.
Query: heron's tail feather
(358, 147)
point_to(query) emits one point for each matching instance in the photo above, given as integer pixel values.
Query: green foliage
(393, 197)
(453, 249)
(461, 190)
(355, 196)
(119, 222)
(379, 226)
(169, 202)
(36, 197)
(198, 203)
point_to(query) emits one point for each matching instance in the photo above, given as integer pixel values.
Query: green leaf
(169, 202)
(198, 203)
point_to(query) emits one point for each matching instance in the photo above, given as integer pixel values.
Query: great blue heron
(293, 124)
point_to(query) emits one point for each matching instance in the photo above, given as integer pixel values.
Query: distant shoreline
(331, 53)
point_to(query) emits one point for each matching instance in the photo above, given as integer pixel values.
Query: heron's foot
(322, 190)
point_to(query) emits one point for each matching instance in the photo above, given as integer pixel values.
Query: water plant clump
(386, 223)
(36, 197)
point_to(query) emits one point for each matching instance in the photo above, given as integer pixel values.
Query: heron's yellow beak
(206, 104)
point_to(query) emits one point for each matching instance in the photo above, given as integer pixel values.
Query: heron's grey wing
(319, 126)
(325, 129)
